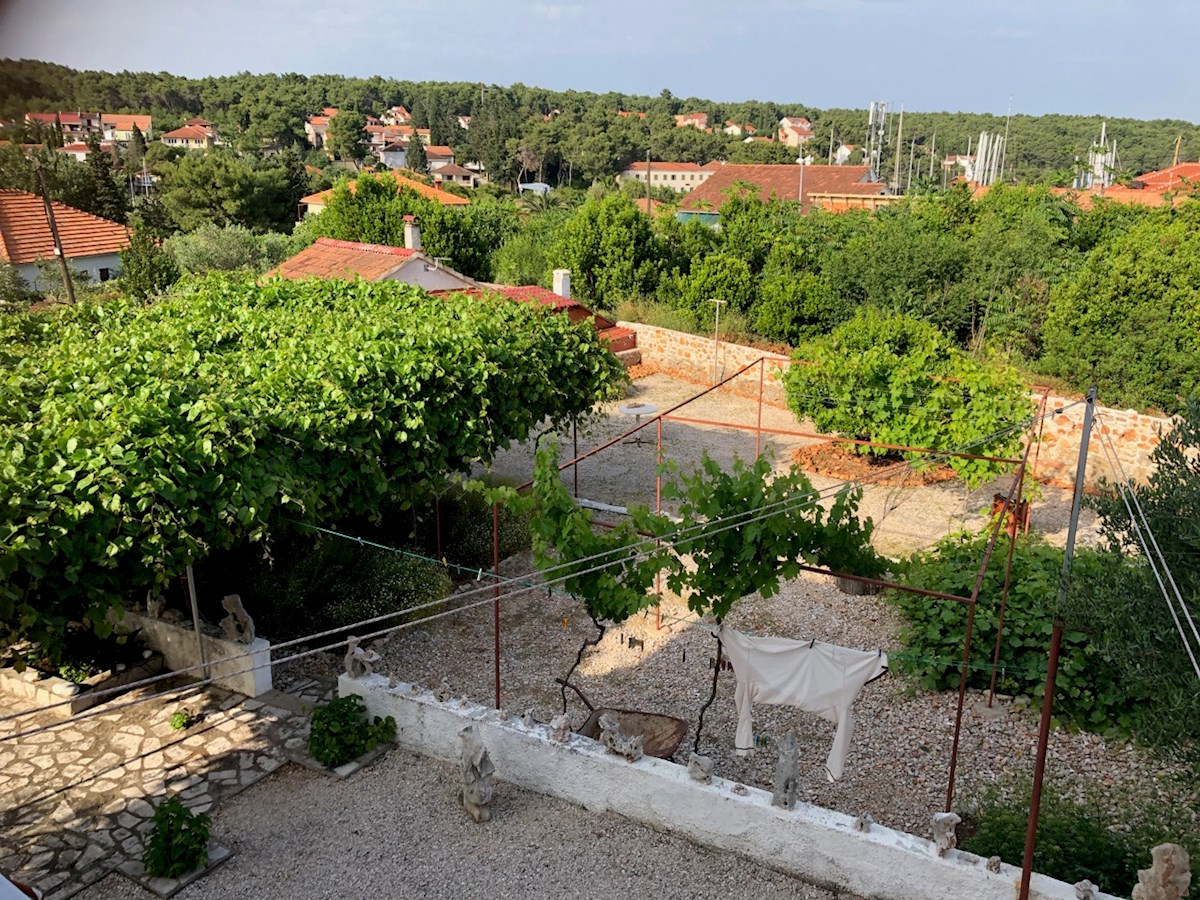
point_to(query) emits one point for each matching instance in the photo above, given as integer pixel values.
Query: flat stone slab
(344, 771)
(168, 887)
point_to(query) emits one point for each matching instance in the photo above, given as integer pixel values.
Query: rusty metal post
(575, 451)
(762, 369)
(1012, 547)
(1041, 427)
(1039, 767)
(496, 596)
(658, 509)
(437, 525)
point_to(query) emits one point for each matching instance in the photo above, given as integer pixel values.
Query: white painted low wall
(177, 644)
(818, 845)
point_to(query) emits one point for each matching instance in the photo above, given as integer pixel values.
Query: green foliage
(1129, 322)
(778, 525)
(719, 277)
(346, 136)
(232, 248)
(342, 731)
(182, 719)
(467, 529)
(564, 540)
(222, 188)
(611, 250)
(1075, 840)
(1089, 692)
(15, 293)
(895, 379)
(136, 440)
(415, 157)
(1127, 616)
(146, 269)
(178, 841)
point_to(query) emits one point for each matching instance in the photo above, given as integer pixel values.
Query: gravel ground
(395, 830)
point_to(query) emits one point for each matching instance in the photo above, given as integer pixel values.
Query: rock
(700, 768)
(1085, 890)
(560, 729)
(864, 822)
(1168, 877)
(787, 773)
(994, 862)
(477, 775)
(628, 746)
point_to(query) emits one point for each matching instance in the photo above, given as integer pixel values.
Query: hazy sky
(1110, 57)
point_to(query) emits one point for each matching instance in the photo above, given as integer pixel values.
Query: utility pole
(912, 149)
(899, 144)
(1039, 768)
(716, 336)
(648, 200)
(58, 247)
(932, 154)
(1004, 151)
(1178, 143)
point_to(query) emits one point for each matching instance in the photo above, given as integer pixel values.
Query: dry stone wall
(1134, 435)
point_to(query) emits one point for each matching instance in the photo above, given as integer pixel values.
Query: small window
(105, 274)
(672, 177)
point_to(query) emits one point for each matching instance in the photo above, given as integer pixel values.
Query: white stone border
(818, 845)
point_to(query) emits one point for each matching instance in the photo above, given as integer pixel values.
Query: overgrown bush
(1088, 691)
(467, 529)
(895, 379)
(318, 583)
(1075, 840)
(232, 248)
(341, 731)
(178, 841)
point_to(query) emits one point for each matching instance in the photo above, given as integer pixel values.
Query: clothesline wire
(1154, 557)
(631, 554)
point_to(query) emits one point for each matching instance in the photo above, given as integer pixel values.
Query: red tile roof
(438, 151)
(453, 169)
(1172, 177)
(443, 197)
(80, 147)
(126, 121)
(25, 235)
(344, 260)
(191, 132)
(199, 122)
(782, 183)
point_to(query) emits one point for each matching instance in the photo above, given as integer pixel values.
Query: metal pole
(1039, 769)
(496, 597)
(762, 370)
(191, 580)
(658, 509)
(716, 337)
(68, 285)
(437, 524)
(575, 448)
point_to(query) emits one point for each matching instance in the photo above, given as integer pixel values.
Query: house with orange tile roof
(680, 177)
(90, 244)
(738, 129)
(795, 131)
(315, 203)
(1179, 177)
(697, 120)
(196, 134)
(395, 115)
(80, 151)
(351, 261)
(777, 182)
(119, 126)
(454, 174)
(75, 125)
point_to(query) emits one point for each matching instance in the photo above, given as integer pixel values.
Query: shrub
(467, 529)
(146, 269)
(1088, 691)
(182, 719)
(212, 247)
(897, 380)
(1075, 840)
(342, 731)
(178, 841)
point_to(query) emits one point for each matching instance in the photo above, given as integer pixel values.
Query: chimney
(562, 283)
(412, 233)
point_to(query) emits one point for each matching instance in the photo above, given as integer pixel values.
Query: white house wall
(422, 273)
(90, 264)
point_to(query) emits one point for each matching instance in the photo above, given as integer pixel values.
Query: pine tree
(416, 158)
(109, 200)
(146, 269)
(137, 149)
(56, 136)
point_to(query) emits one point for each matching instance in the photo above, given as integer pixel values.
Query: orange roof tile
(25, 234)
(1172, 177)
(344, 260)
(431, 193)
(781, 182)
(191, 132)
(126, 121)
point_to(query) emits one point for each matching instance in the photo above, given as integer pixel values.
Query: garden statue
(700, 768)
(477, 775)
(154, 605)
(1085, 890)
(994, 863)
(943, 831)
(628, 746)
(1167, 878)
(238, 626)
(359, 662)
(560, 729)
(787, 772)
(527, 718)
(864, 822)
(443, 692)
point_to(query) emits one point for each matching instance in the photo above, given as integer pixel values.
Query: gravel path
(395, 830)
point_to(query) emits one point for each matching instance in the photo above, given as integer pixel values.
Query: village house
(316, 126)
(738, 129)
(794, 131)
(464, 122)
(315, 203)
(395, 115)
(781, 182)
(90, 244)
(677, 176)
(75, 125)
(119, 126)
(841, 156)
(196, 134)
(80, 151)
(697, 120)
(454, 174)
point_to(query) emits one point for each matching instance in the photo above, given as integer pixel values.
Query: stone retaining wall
(1134, 434)
(818, 845)
(42, 690)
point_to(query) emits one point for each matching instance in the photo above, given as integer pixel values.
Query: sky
(1103, 57)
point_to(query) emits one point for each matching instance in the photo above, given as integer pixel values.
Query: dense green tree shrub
(139, 439)
(232, 248)
(897, 380)
(146, 269)
(1089, 691)
(611, 250)
(1129, 322)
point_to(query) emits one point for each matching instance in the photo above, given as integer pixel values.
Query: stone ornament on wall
(700, 768)
(944, 837)
(238, 626)
(477, 775)
(628, 746)
(787, 772)
(1168, 877)
(359, 662)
